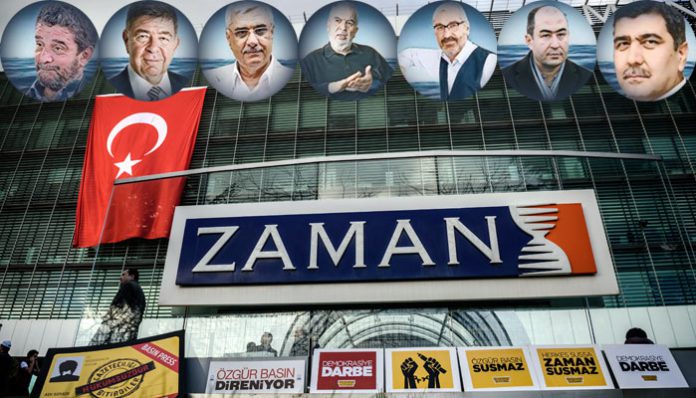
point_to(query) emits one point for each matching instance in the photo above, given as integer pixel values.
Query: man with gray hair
(343, 69)
(65, 43)
(460, 67)
(256, 73)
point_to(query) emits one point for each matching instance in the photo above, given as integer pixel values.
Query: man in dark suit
(151, 38)
(546, 73)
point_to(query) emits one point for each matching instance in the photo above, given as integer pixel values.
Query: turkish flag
(129, 138)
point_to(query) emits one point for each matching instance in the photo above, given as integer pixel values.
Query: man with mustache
(460, 66)
(650, 50)
(546, 73)
(151, 39)
(342, 69)
(256, 74)
(65, 43)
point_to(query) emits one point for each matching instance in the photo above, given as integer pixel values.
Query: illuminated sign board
(417, 248)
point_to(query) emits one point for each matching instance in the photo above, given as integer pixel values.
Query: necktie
(154, 93)
(444, 86)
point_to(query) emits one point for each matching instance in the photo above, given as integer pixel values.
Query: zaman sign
(490, 246)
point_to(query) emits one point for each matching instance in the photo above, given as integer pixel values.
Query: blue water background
(22, 71)
(183, 66)
(609, 73)
(583, 55)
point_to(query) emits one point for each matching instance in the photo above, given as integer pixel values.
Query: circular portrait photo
(447, 50)
(248, 51)
(646, 51)
(49, 51)
(347, 50)
(546, 51)
(148, 50)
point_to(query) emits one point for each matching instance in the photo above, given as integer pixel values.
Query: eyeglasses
(243, 33)
(439, 28)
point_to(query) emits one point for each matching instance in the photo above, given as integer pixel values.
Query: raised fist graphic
(408, 368)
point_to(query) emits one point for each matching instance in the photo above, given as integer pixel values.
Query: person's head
(68, 366)
(451, 27)
(636, 332)
(129, 274)
(547, 36)
(5, 346)
(250, 34)
(342, 26)
(299, 332)
(151, 38)
(266, 338)
(650, 49)
(65, 42)
(32, 354)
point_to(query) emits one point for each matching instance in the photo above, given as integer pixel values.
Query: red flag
(129, 138)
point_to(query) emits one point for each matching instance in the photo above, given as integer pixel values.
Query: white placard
(644, 366)
(256, 376)
(347, 371)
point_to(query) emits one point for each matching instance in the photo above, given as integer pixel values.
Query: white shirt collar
(469, 48)
(141, 86)
(673, 90)
(263, 81)
(262, 89)
(453, 67)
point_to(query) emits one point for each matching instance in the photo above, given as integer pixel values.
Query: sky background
(214, 45)
(418, 30)
(111, 40)
(374, 30)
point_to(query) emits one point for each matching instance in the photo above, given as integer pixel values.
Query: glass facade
(648, 207)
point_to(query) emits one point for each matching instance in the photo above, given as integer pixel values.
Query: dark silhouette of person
(408, 368)
(434, 369)
(66, 369)
(637, 336)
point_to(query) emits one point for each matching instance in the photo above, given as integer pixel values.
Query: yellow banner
(498, 368)
(571, 367)
(422, 370)
(144, 368)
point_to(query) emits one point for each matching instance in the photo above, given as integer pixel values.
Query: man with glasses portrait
(256, 74)
(460, 66)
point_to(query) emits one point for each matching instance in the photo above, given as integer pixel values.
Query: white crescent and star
(154, 120)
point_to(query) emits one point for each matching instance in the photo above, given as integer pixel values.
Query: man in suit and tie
(546, 73)
(460, 66)
(151, 39)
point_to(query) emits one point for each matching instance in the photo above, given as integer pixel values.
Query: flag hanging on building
(129, 138)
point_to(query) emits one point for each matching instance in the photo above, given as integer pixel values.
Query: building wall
(649, 208)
